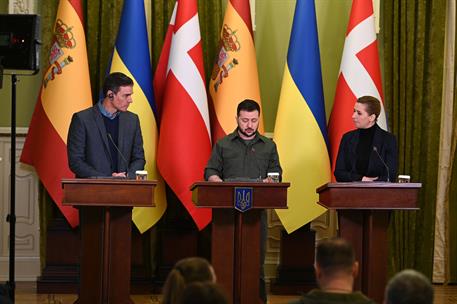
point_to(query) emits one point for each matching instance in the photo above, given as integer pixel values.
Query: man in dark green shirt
(246, 155)
(335, 268)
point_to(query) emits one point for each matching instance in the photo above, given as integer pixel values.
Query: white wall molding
(19, 131)
(27, 260)
(22, 7)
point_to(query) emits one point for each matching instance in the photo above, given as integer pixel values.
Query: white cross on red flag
(360, 74)
(179, 83)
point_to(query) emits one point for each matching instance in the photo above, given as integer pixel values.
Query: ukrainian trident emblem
(243, 198)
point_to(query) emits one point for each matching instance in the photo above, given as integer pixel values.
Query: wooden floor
(25, 294)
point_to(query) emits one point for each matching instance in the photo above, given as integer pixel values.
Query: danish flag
(360, 73)
(179, 84)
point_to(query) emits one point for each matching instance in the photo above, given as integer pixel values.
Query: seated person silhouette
(336, 269)
(203, 293)
(186, 271)
(409, 286)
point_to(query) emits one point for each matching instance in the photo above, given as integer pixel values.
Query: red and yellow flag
(185, 137)
(64, 91)
(360, 74)
(234, 77)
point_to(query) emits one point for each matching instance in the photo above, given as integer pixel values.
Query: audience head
(335, 255)
(409, 286)
(186, 271)
(335, 259)
(203, 293)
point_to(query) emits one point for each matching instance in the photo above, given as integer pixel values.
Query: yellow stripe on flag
(76, 68)
(242, 81)
(145, 218)
(300, 146)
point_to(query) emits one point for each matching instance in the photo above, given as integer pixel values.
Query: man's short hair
(409, 286)
(335, 255)
(247, 105)
(114, 81)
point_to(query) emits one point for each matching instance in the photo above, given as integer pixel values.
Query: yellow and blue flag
(131, 56)
(300, 130)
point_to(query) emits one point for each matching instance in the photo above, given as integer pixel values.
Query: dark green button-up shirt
(317, 296)
(233, 158)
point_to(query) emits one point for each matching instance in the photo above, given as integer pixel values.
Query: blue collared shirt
(106, 113)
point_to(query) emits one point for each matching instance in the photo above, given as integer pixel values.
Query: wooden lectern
(235, 248)
(363, 216)
(105, 209)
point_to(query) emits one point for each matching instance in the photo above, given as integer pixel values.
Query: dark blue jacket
(345, 170)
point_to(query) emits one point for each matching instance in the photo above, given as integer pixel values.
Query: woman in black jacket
(368, 153)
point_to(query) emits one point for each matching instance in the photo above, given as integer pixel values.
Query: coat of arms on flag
(225, 62)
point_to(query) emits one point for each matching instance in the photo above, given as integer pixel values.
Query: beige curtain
(451, 190)
(441, 249)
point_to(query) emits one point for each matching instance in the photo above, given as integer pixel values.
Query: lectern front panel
(108, 192)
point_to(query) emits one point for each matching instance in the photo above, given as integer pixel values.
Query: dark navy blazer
(88, 148)
(345, 170)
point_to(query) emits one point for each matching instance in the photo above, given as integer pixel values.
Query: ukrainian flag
(300, 130)
(131, 56)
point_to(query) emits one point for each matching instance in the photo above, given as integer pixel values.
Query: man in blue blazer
(105, 140)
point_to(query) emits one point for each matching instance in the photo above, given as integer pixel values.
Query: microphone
(375, 149)
(120, 153)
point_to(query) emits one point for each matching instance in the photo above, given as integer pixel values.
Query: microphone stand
(383, 162)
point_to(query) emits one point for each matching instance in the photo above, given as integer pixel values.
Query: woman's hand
(369, 179)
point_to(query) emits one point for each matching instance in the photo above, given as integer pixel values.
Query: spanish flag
(64, 91)
(300, 130)
(131, 57)
(234, 76)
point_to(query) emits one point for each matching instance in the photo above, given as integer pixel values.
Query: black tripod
(19, 50)
(9, 287)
